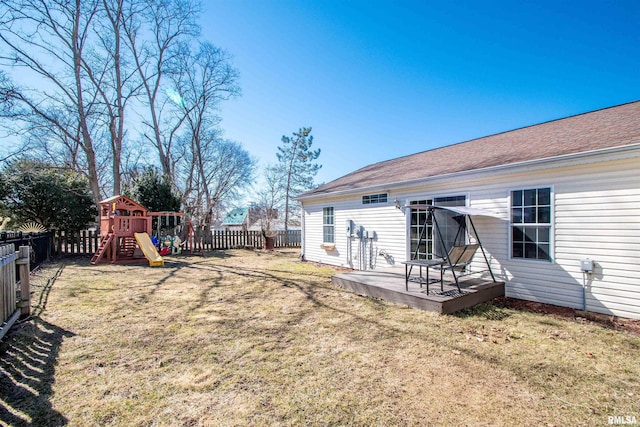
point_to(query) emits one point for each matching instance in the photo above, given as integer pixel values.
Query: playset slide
(149, 250)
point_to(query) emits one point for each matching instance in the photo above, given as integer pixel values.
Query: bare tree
(270, 198)
(8, 113)
(6, 98)
(91, 65)
(111, 71)
(47, 40)
(91, 59)
(172, 24)
(228, 169)
(203, 79)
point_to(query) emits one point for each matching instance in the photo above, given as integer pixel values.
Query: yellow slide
(149, 251)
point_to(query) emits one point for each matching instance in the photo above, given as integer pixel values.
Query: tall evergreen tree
(153, 191)
(297, 162)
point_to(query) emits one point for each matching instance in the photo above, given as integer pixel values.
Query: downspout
(302, 231)
(587, 267)
(584, 291)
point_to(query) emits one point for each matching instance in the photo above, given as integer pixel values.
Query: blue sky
(382, 79)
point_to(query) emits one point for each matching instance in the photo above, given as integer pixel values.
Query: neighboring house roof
(237, 216)
(602, 129)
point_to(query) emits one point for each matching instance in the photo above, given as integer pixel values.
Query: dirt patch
(619, 323)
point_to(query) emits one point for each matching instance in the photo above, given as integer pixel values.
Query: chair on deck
(458, 258)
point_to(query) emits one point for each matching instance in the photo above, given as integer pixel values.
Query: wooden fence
(39, 244)
(87, 242)
(9, 300)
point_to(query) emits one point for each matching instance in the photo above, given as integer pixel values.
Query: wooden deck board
(390, 286)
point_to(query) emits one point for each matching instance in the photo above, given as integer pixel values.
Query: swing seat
(459, 257)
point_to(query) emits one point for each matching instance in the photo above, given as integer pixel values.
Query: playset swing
(176, 234)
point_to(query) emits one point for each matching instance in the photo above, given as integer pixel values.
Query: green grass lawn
(244, 338)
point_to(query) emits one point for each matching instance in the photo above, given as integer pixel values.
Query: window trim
(326, 225)
(550, 224)
(366, 199)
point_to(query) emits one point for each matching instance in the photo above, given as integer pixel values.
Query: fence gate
(8, 257)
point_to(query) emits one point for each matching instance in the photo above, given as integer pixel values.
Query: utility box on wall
(586, 265)
(350, 226)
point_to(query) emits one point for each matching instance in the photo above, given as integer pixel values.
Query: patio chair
(458, 258)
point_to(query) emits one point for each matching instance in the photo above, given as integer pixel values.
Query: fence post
(25, 286)
(50, 237)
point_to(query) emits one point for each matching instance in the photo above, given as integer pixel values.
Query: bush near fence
(86, 242)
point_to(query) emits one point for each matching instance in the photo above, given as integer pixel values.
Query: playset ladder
(104, 245)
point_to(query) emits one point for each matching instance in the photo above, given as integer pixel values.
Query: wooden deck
(389, 285)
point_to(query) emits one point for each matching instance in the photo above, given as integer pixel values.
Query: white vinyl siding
(595, 209)
(385, 222)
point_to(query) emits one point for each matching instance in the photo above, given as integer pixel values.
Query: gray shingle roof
(607, 128)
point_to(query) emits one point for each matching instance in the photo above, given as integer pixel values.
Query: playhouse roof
(608, 128)
(124, 202)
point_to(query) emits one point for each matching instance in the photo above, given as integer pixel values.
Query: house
(236, 220)
(565, 193)
(275, 222)
(251, 219)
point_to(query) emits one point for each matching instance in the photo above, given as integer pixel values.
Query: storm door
(452, 225)
(430, 245)
(420, 249)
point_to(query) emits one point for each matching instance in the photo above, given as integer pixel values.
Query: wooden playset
(126, 225)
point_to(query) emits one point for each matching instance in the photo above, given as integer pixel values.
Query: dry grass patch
(244, 338)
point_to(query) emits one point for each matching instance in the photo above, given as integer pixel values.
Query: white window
(531, 224)
(328, 227)
(374, 198)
